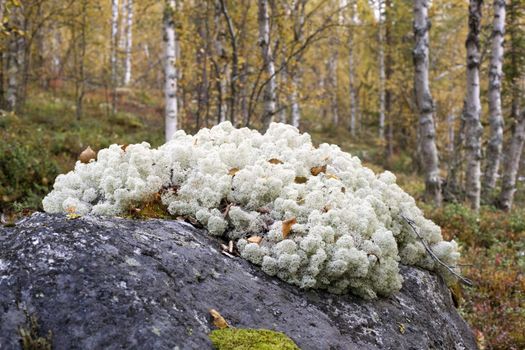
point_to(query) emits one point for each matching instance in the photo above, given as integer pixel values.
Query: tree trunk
(425, 104)
(220, 64)
(511, 161)
(294, 98)
(15, 53)
(494, 146)
(170, 71)
(472, 110)
(269, 66)
(81, 78)
(382, 74)
(351, 78)
(332, 79)
(129, 42)
(113, 54)
(234, 63)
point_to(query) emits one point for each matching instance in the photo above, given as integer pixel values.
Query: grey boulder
(111, 283)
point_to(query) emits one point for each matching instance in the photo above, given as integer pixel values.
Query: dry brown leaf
(316, 170)
(233, 171)
(275, 161)
(218, 320)
(254, 239)
(300, 179)
(343, 189)
(124, 146)
(287, 226)
(87, 155)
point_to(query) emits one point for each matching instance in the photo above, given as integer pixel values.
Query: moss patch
(250, 339)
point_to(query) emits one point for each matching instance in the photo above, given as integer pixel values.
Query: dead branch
(412, 225)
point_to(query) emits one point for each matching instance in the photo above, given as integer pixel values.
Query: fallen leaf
(275, 161)
(123, 147)
(316, 170)
(287, 226)
(87, 155)
(332, 176)
(72, 216)
(401, 328)
(233, 171)
(254, 239)
(343, 189)
(218, 320)
(300, 179)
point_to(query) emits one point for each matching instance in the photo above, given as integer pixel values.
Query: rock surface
(110, 283)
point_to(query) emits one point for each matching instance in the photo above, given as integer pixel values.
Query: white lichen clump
(349, 233)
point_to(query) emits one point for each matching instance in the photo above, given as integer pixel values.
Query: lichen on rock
(348, 234)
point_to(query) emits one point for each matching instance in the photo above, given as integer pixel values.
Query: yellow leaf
(254, 239)
(233, 171)
(332, 176)
(300, 179)
(287, 226)
(316, 170)
(275, 161)
(73, 216)
(87, 155)
(218, 320)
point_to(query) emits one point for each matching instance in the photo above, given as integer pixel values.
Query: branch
(411, 223)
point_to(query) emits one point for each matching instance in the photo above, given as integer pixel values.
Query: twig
(411, 223)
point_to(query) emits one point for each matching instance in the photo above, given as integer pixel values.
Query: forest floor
(45, 139)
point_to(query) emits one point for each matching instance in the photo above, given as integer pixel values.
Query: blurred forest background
(440, 105)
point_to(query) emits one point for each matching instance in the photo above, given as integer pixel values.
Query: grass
(45, 140)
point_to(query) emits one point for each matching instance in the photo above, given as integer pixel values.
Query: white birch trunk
(114, 35)
(511, 161)
(352, 90)
(170, 71)
(15, 57)
(382, 74)
(220, 58)
(129, 42)
(494, 146)
(472, 110)
(425, 104)
(264, 43)
(294, 103)
(332, 80)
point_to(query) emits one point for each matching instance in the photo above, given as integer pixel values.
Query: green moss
(250, 339)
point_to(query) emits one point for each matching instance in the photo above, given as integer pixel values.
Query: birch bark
(113, 54)
(129, 42)
(494, 146)
(170, 88)
(382, 74)
(425, 104)
(264, 43)
(472, 109)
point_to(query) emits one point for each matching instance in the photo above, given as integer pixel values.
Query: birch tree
(298, 18)
(269, 98)
(382, 74)
(15, 59)
(472, 109)
(495, 115)
(425, 104)
(170, 71)
(351, 66)
(129, 42)
(113, 54)
(514, 74)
